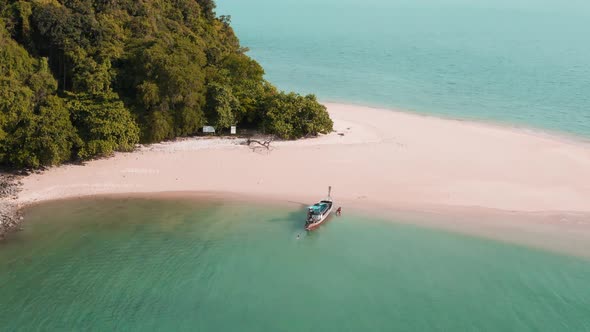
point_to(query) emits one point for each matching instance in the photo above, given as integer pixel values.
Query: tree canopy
(84, 78)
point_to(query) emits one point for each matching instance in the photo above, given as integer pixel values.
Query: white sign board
(208, 130)
(233, 130)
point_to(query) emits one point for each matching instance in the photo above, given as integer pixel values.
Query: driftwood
(255, 144)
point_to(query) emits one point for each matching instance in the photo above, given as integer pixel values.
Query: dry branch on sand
(264, 143)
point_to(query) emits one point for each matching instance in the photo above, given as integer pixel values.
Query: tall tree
(85, 78)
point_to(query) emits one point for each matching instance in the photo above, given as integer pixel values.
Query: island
(101, 98)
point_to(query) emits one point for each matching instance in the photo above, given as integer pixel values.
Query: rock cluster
(9, 212)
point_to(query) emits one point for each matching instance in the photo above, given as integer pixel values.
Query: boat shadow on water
(294, 222)
(294, 219)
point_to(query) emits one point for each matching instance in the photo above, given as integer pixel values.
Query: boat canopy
(319, 208)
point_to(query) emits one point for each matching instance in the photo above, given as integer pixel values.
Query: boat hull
(315, 225)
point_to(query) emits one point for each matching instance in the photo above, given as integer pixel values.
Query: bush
(103, 124)
(292, 116)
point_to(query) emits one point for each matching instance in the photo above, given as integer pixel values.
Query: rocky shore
(9, 210)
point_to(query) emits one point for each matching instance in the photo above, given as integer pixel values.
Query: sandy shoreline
(376, 158)
(384, 157)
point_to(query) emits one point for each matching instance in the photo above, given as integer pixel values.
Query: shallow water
(520, 62)
(137, 265)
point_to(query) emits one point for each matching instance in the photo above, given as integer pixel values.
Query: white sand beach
(375, 159)
(384, 157)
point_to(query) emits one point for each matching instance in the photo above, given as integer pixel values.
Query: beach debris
(255, 144)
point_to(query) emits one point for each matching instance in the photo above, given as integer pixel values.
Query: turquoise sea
(157, 265)
(164, 265)
(518, 62)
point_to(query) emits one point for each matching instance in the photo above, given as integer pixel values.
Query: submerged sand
(376, 160)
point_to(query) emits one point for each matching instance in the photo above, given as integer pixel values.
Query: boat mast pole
(329, 191)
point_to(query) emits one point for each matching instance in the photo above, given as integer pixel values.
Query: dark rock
(9, 213)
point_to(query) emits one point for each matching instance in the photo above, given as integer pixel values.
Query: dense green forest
(84, 78)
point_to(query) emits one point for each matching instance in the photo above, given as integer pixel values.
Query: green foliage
(14, 59)
(92, 77)
(85, 78)
(167, 77)
(32, 139)
(35, 127)
(208, 7)
(223, 104)
(16, 109)
(52, 135)
(103, 123)
(42, 82)
(244, 77)
(292, 116)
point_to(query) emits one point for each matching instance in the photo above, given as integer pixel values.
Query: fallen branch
(264, 144)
